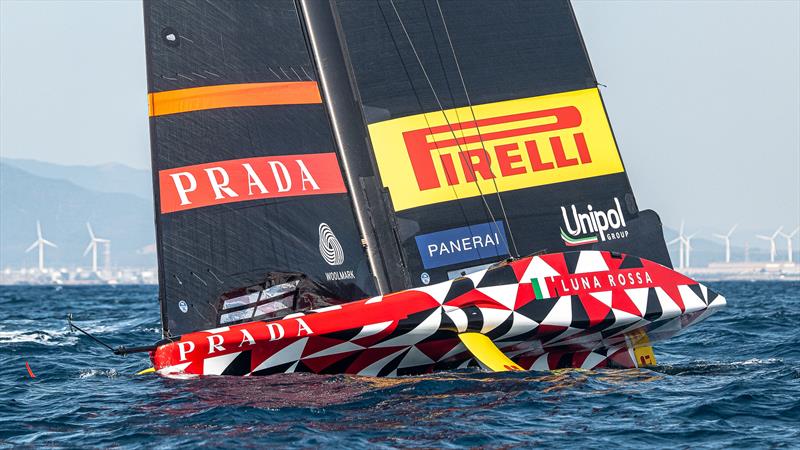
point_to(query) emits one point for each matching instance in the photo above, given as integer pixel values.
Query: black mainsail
(489, 133)
(314, 151)
(249, 191)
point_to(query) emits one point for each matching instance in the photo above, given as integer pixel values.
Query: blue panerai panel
(463, 244)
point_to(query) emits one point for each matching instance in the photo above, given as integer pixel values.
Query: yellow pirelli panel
(515, 144)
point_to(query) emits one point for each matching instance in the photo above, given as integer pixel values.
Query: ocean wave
(756, 361)
(717, 367)
(58, 338)
(90, 373)
(63, 336)
(100, 328)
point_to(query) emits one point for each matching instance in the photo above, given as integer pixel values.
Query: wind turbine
(727, 239)
(771, 240)
(789, 238)
(40, 242)
(93, 247)
(680, 241)
(688, 242)
(680, 250)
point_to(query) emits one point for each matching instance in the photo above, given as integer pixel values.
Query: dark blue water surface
(733, 380)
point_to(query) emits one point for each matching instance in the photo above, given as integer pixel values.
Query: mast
(326, 40)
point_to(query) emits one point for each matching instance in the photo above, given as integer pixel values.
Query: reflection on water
(402, 395)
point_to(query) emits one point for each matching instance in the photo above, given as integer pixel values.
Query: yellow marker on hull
(484, 350)
(146, 371)
(642, 350)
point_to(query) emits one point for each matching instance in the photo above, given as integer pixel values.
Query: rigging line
(452, 99)
(424, 116)
(455, 192)
(458, 117)
(441, 109)
(472, 112)
(487, 208)
(430, 129)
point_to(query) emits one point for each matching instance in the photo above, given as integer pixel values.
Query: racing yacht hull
(585, 309)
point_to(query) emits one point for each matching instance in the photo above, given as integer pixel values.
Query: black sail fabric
(489, 133)
(250, 199)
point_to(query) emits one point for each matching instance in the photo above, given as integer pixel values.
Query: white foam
(90, 373)
(756, 361)
(44, 337)
(98, 329)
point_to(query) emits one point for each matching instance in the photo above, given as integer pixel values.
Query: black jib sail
(489, 133)
(253, 213)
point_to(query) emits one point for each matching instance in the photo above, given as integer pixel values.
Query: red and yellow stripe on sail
(233, 96)
(237, 180)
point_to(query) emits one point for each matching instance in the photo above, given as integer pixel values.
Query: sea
(730, 381)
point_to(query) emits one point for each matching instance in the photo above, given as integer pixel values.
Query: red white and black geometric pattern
(574, 309)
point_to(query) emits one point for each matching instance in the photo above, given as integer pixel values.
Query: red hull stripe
(233, 96)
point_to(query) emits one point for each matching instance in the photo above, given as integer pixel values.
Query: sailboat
(395, 187)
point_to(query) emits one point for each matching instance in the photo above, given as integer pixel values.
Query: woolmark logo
(329, 246)
(583, 228)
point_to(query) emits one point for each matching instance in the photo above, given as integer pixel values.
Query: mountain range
(114, 198)
(117, 201)
(107, 178)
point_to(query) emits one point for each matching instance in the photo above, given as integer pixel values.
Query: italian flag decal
(576, 241)
(540, 289)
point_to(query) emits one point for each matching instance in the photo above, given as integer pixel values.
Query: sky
(703, 96)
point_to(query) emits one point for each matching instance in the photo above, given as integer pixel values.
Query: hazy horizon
(704, 98)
